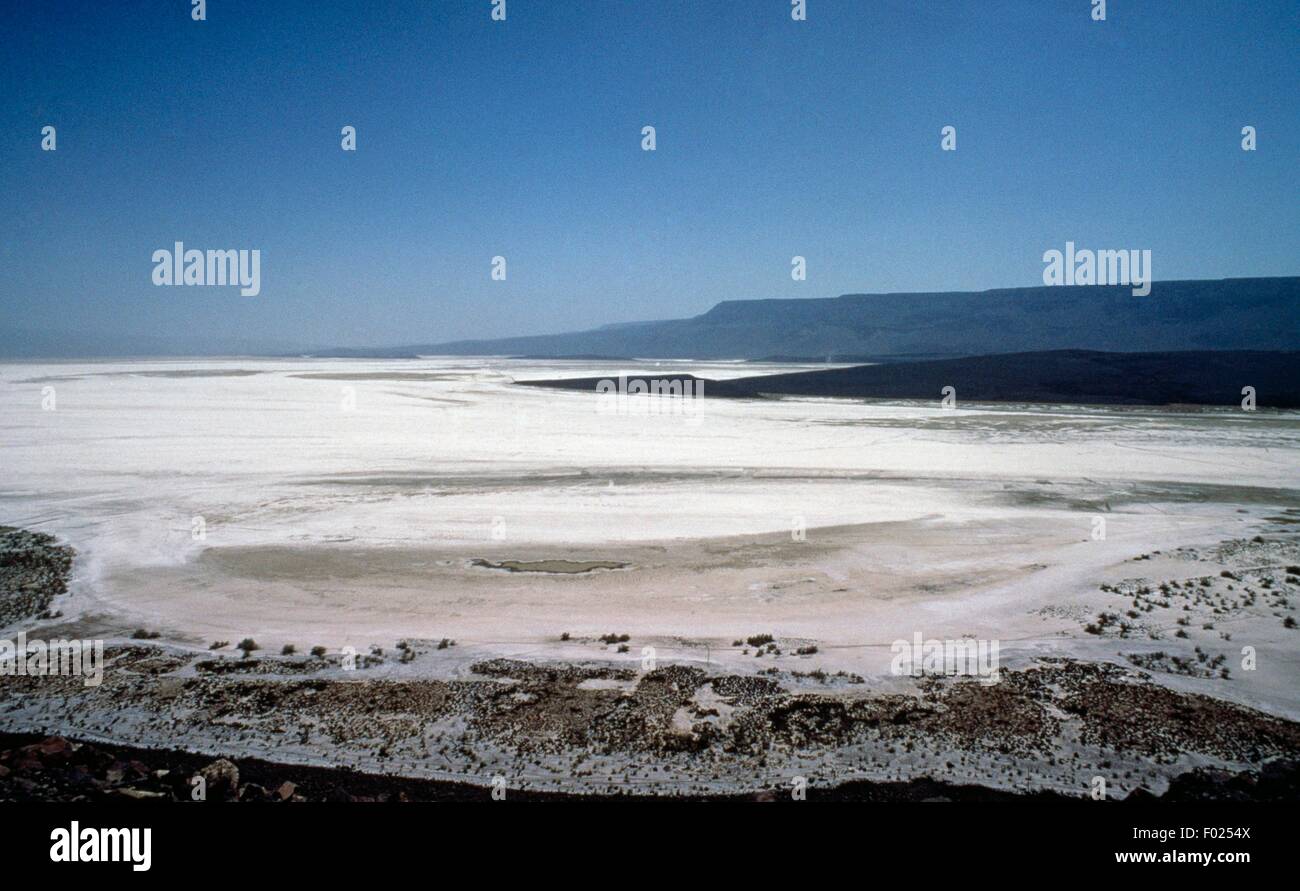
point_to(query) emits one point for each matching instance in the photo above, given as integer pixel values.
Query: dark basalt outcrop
(34, 569)
(1076, 377)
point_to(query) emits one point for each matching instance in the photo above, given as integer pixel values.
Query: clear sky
(522, 138)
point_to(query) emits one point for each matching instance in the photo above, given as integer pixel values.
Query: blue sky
(523, 139)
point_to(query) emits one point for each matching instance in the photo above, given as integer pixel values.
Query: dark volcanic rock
(1078, 377)
(222, 780)
(33, 571)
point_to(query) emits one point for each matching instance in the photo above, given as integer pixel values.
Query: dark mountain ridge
(1223, 314)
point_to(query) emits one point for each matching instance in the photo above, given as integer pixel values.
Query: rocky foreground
(675, 730)
(320, 726)
(58, 769)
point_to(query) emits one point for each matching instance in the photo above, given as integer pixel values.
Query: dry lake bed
(512, 582)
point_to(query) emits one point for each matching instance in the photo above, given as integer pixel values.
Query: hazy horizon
(19, 344)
